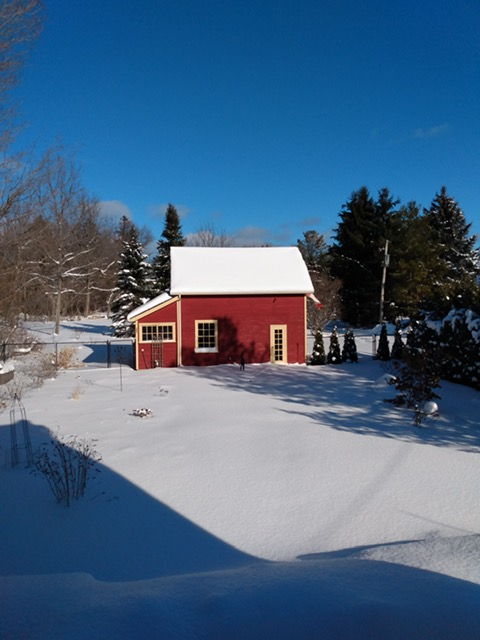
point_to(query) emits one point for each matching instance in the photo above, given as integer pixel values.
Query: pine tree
(349, 351)
(172, 236)
(383, 351)
(132, 284)
(318, 354)
(334, 355)
(398, 346)
(458, 270)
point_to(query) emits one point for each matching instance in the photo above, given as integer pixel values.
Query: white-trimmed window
(159, 332)
(206, 336)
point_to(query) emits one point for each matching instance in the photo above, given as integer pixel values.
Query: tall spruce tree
(132, 283)
(357, 253)
(455, 282)
(172, 236)
(414, 261)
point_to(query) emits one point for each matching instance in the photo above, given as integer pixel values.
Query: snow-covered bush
(318, 353)
(334, 356)
(349, 351)
(142, 413)
(67, 463)
(454, 343)
(460, 343)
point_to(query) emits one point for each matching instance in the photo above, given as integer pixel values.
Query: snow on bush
(455, 344)
(142, 413)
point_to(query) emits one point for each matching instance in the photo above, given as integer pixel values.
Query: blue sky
(260, 117)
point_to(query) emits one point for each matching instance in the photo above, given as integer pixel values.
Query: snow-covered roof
(150, 304)
(238, 270)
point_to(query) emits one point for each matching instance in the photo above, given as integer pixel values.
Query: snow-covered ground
(275, 502)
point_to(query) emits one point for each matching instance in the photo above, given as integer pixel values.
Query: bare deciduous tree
(67, 233)
(20, 25)
(327, 291)
(208, 236)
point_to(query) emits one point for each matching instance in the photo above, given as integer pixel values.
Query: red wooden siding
(243, 326)
(145, 359)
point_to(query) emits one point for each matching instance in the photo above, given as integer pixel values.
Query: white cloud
(114, 209)
(432, 132)
(251, 236)
(158, 210)
(311, 222)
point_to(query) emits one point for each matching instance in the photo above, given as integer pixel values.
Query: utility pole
(386, 262)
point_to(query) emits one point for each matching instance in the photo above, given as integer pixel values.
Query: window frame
(149, 325)
(209, 349)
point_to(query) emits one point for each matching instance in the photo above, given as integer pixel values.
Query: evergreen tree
(172, 236)
(398, 346)
(132, 284)
(124, 229)
(334, 355)
(414, 261)
(383, 351)
(458, 270)
(349, 351)
(357, 253)
(416, 377)
(459, 349)
(318, 354)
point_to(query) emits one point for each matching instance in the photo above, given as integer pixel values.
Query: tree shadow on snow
(85, 327)
(352, 397)
(116, 532)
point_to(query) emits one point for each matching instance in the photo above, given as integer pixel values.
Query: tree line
(55, 251)
(387, 260)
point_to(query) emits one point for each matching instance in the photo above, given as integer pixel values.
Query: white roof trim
(147, 306)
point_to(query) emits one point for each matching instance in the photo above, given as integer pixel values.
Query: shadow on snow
(351, 397)
(116, 532)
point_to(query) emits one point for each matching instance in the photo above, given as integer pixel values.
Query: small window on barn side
(163, 332)
(206, 336)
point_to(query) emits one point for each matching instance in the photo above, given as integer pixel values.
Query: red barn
(225, 304)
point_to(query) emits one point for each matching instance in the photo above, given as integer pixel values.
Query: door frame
(274, 328)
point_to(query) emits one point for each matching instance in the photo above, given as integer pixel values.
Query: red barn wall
(243, 326)
(144, 359)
